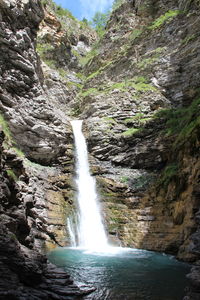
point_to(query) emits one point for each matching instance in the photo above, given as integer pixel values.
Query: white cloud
(89, 7)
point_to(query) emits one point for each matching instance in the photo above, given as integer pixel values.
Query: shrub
(168, 16)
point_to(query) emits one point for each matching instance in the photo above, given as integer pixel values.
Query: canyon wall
(141, 103)
(36, 160)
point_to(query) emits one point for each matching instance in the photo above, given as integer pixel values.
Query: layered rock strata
(25, 225)
(141, 103)
(34, 198)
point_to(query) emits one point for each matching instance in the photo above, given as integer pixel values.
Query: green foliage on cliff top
(168, 16)
(59, 11)
(117, 3)
(64, 12)
(99, 22)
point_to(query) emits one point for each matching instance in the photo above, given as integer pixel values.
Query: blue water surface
(127, 274)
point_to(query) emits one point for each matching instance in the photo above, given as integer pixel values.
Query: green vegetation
(6, 129)
(137, 117)
(100, 19)
(89, 56)
(44, 2)
(182, 122)
(188, 39)
(81, 76)
(116, 4)
(99, 22)
(44, 49)
(101, 69)
(11, 174)
(12, 236)
(167, 17)
(110, 120)
(168, 174)
(138, 83)
(135, 34)
(62, 12)
(18, 152)
(90, 91)
(141, 86)
(62, 72)
(142, 181)
(154, 56)
(85, 21)
(9, 141)
(124, 179)
(59, 11)
(146, 62)
(131, 131)
(145, 120)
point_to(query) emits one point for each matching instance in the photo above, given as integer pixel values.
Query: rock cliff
(137, 89)
(141, 101)
(141, 104)
(35, 160)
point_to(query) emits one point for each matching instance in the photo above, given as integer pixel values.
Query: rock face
(131, 98)
(140, 99)
(24, 226)
(34, 198)
(38, 126)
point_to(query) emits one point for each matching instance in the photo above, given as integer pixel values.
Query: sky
(85, 8)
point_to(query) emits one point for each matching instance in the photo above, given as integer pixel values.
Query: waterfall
(71, 232)
(91, 233)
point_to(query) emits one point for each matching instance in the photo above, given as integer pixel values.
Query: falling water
(71, 230)
(91, 233)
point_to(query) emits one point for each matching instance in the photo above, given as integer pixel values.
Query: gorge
(137, 90)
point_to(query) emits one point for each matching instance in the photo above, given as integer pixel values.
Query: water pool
(124, 274)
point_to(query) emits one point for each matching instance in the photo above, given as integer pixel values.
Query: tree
(85, 21)
(99, 22)
(116, 4)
